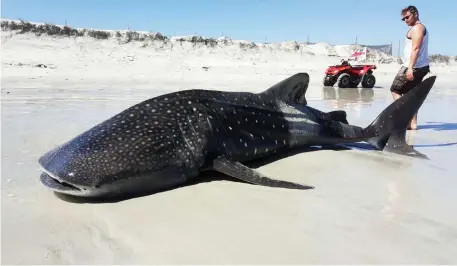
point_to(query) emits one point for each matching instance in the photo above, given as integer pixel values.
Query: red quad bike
(348, 76)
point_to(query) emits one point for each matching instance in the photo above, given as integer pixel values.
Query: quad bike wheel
(344, 80)
(368, 81)
(328, 82)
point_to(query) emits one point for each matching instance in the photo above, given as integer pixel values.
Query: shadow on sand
(436, 145)
(207, 176)
(439, 126)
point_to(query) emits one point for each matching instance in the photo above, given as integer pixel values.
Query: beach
(367, 207)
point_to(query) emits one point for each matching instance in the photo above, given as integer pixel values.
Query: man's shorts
(402, 84)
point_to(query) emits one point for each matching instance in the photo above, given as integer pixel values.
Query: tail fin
(391, 124)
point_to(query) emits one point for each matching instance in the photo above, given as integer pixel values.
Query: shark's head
(91, 168)
(129, 153)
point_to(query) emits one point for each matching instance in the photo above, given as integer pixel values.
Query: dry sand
(367, 207)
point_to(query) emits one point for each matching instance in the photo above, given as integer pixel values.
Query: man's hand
(409, 74)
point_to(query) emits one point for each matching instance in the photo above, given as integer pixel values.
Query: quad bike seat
(358, 67)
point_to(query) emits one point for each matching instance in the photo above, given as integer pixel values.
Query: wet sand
(368, 206)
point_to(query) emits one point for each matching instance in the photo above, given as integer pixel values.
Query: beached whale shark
(168, 140)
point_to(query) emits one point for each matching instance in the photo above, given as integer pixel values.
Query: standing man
(416, 64)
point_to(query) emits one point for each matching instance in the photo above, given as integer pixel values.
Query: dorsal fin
(291, 90)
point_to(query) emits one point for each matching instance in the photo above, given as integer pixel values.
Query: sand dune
(367, 207)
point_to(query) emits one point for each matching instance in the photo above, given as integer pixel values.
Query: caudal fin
(391, 124)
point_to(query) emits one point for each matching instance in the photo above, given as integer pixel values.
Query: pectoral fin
(237, 170)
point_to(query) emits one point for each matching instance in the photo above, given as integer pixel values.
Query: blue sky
(332, 21)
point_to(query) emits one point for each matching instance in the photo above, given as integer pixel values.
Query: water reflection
(351, 99)
(354, 95)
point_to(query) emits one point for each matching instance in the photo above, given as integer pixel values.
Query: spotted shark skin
(169, 140)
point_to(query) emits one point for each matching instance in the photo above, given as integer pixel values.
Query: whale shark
(170, 139)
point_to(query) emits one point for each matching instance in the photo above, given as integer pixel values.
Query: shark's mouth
(57, 185)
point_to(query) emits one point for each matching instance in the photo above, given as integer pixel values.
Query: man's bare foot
(412, 127)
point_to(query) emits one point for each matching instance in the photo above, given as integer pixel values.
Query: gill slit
(189, 148)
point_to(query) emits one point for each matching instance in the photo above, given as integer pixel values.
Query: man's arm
(417, 35)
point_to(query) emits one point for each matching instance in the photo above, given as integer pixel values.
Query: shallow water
(367, 207)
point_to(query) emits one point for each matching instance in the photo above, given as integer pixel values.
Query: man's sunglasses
(407, 17)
